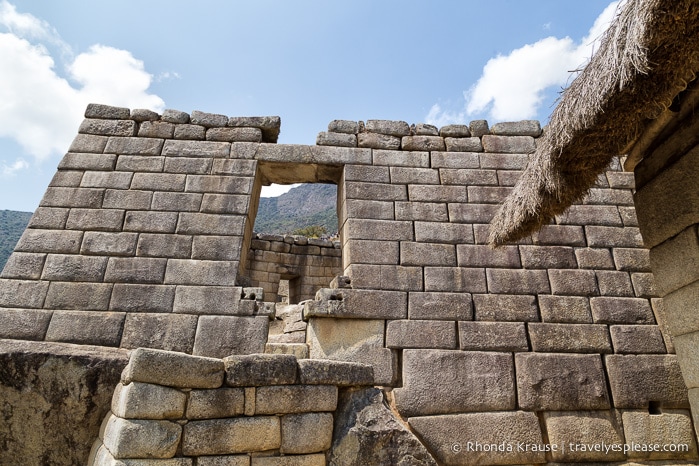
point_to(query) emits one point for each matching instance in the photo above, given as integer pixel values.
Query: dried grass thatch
(646, 57)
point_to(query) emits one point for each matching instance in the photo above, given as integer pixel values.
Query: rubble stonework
(145, 238)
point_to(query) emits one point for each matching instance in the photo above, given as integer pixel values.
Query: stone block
(161, 245)
(518, 308)
(260, 369)
(487, 194)
(367, 174)
(401, 158)
(455, 279)
(86, 327)
(517, 128)
(421, 211)
(644, 285)
(142, 115)
(450, 233)
(53, 241)
(370, 252)
(607, 215)
(390, 127)
(108, 127)
(561, 382)
(637, 380)
(381, 230)
(518, 281)
(687, 347)
(95, 219)
(156, 129)
(131, 200)
(428, 143)
(569, 338)
(343, 126)
(595, 258)
(565, 309)
(306, 433)
(131, 438)
(420, 334)
(177, 202)
(269, 125)
(316, 459)
(24, 265)
(234, 435)
(408, 175)
(568, 235)
(78, 296)
(173, 369)
(493, 336)
(135, 270)
(140, 163)
(216, 403)
(174, 116)
(240, 134)
(548, 257)
(637, 339)
(191, 133)
(221, 248)
(573, 431)
(385, 192)
(225, 460)
(291, 399)
(478, 128)
(65, 178)
(484, 256)
(87, 161)
(219, 184)
(339, 373)
(621, 311)
(675, 262)
(617, 237)
(442, 381)
(628, 216)
(336, 139)
(206, 299)
(508, 144)
(169, 332)
(159, 181)
(468, 177)
(348, 303)
(49, 218)
(226, 203)
(133, 146)
(150, 222)
(235, 167)
(472, 213)
(107, 112)
(652, 434)
(436, 193)
(427, 254)
(458, 159)
(508, 177)
(194, 166)
(221, 336)
(300, 350)
(681, 305)
(22, 293)
(439, 306)
(208, 120)
(68, 267)
(24, 324)
(88, 143)
(199, 272)
(352, 340)
(115, 180)
(108, 244)
(482, 438)
(148, 401)
(210, 224)
(620, 197)
(142, 298)
(573, 282)
(365, 209)
(471, 144)
(614, 283)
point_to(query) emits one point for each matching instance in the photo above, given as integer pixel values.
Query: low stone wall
(307, 263)
(259, 410)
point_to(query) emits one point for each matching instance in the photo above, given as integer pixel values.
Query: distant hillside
(305, 205)
(12, 225)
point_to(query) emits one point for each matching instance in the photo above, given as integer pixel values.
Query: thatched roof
(646, 58)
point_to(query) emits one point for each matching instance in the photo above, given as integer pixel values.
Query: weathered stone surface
(24, 266)
(234, 435)
(337, 139)
(352, 340)
(260, 369)
(148, 401)
(208, 120)
(687, 347)
(173, 369)
(109, 244)
(455, 159)
(340, 373)
(493, 336)
(393, 128)
(482, 438)
(55, 241)
(86, 327)
(682, 305)
(135, 270)
(429, 143)
(455, 279)
(206, 299)
(569, 338)
(343, 126)
(671, 429)
(575, 428)
(636, 380)
(565, 309)
(24, 324)
(676, 261)
(347, 303)
(420, 334)
(517, 128)
(79, 296)
(221, 336)
(175, 116)
(637, 339)
(64, 267)
(485, 256)
(306, 433)
(442, 381)
(455, 131)
(227, 460)
(573, 282)
(214, 404)
(270, 125)
(621, 311)
(55, 396)
(560, 382)
(290, 399)
(516, 308)
(367, 432)
(508, 144)
(199, 272)
(22, 293)
(316, 459)
(509, 281)
(169, 332)
(440, 306)
(596, 258)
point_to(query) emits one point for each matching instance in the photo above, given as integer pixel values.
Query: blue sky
(307, 61)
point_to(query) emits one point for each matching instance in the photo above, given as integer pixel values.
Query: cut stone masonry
(145, 239)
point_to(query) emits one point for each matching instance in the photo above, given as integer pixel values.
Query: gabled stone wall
(142, 240)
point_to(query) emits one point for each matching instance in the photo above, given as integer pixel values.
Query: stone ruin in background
(144, 239)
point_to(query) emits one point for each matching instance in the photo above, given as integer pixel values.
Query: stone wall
(307, 264)
(142, 238)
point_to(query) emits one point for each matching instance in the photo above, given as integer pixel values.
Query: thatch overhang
(617, 105)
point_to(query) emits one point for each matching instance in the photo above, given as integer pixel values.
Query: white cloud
(11, 170)
(40, 109)
(512, 86)
(275, 190)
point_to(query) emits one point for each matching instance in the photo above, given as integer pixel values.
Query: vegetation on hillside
(12, 225)
(303, 207)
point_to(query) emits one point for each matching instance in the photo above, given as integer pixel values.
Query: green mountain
(12, 225)
(303, 206)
